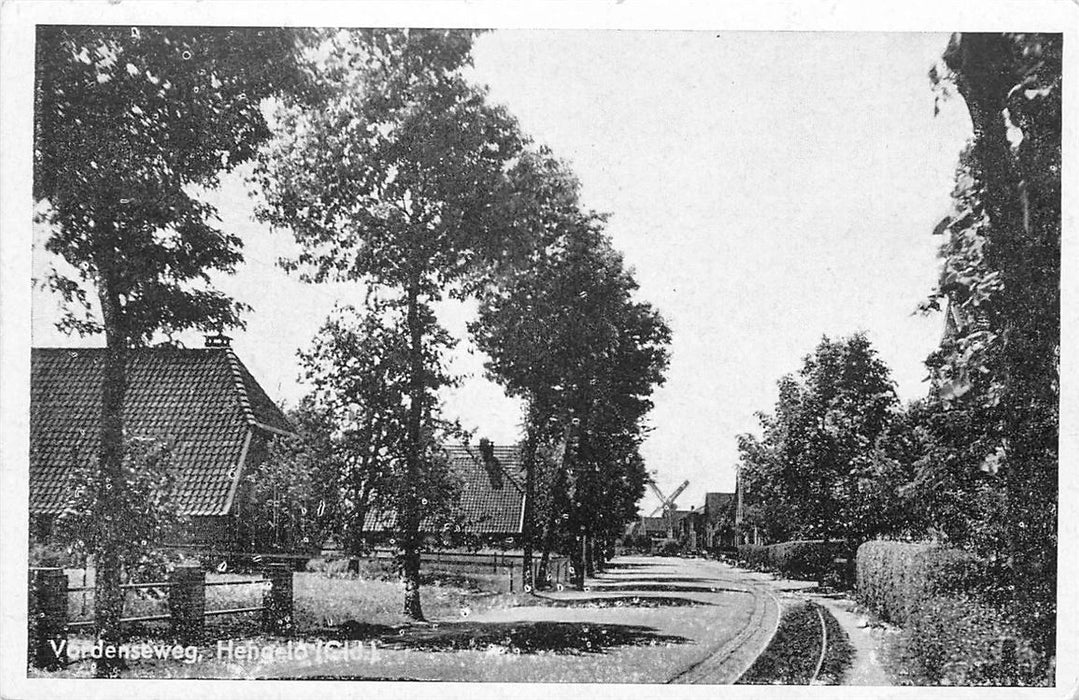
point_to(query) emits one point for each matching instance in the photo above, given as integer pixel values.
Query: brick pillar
(187, 602)
(47, 617)
(277, 617)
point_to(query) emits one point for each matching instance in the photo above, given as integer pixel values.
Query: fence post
(48, 617)
(187, 602)
(277, 600)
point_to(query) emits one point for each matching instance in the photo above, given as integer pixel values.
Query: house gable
(204, 401)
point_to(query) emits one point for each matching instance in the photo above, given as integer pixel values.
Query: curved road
(729, 649)
(645, 620)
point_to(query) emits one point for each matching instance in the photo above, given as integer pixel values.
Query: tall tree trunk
(110, 484)
(551, 527)
(409, 513)
(576, 560)
(543, 570)
(528, 583)
(589, 554)
(599, 554)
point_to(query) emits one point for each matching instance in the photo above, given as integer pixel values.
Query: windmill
(667, 506)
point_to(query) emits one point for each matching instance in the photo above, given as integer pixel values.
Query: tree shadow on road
(654, 579)
(528, 637)
(631, 565)
(665, 588)
(623, 601)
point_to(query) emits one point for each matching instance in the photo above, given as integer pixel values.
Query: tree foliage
(563, 332)
(998, 369)
(286, 503)
(139, 521)
(359, 369)
(395, 180)
(129, 123)
(811, 474)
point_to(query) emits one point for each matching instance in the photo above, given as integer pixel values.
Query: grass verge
(792, 656)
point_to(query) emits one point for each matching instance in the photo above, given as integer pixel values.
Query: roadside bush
(805, 559)
(895, 578)
(961, 640)
(754, 556)
(669, 549)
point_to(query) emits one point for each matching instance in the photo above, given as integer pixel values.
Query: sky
(766, 187)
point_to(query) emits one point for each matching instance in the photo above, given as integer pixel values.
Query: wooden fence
(509, 563)
(185, 591)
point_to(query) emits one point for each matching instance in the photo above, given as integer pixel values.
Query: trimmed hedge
(952, 634)
(961, 640)
(805, 559)
(754, 556)
(894, 578)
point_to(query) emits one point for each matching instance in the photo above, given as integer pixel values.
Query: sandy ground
(866, 667)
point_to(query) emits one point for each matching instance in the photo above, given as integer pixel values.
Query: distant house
(744, 533)
(204, 401)
(696, 529)
(671, 525)
(492, 499)
(714, 523)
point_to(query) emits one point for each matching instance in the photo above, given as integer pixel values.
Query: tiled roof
(204, 400)
(718, 503)
(492, 494)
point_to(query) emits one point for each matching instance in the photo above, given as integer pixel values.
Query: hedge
(958, 639)
(755, 556)
(894, 578)
(805, 559)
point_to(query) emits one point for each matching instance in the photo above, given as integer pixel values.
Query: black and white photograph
(484, 348)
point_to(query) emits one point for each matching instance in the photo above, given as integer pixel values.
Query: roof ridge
(143, 348)
(241, 389)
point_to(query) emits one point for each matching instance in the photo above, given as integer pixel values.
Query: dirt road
(645, 620)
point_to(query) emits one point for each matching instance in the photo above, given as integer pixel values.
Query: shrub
(959, 639)
(670, 548)
(895, 578)
(755, 556)
(806, 559)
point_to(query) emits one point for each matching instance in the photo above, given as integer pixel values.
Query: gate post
(47, 617)
(277, 600)
(187, 602)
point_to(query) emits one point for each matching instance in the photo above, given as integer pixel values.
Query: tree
(129, 123)
(144, 515)
(358, 366)
(563, 333)
(814, 462)
(280, 506)
(395, 180)
(1000, 367)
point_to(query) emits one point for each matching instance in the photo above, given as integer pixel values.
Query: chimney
(220, 340)
(490, 463)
